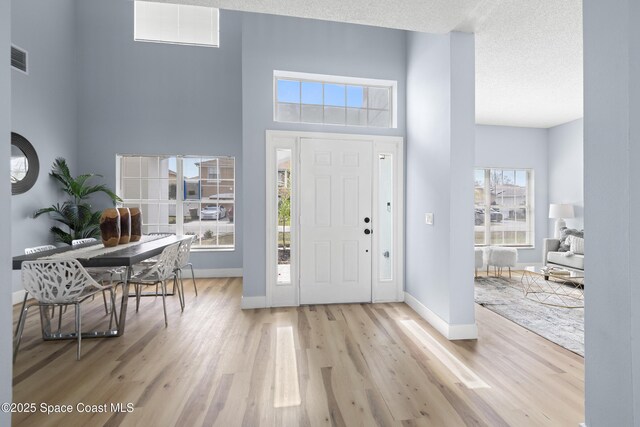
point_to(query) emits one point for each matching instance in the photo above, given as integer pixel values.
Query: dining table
(96, 255)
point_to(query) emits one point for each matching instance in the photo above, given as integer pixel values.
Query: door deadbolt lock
(367, 220)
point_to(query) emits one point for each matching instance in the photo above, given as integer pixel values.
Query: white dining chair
(77, 242)
(31, 251)
(36, 249)
(99, 273)
(158, 274)
(183, 262)
(58, 283)
(148, 262)
(154, 260)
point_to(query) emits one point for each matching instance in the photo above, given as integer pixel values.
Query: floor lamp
(560, 211)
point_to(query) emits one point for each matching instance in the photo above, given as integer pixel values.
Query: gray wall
(5, 200)
(517, 147)
(612, 203)
(148, 98)
(440, 161)
(566, 169)
(43, 108)
(463, 134)
(280, 43)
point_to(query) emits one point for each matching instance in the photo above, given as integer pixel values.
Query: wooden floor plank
(350, 364)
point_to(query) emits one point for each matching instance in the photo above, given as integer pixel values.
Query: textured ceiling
(528, 52)
(529, 63)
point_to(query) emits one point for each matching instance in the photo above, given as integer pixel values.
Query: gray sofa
(553, 258)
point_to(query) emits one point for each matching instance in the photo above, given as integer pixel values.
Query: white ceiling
(528, 52)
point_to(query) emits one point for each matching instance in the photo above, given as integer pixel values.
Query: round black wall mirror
(25, 166)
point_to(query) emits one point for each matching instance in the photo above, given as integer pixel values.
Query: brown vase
(136, 224)
(125, 225)
(110, 227)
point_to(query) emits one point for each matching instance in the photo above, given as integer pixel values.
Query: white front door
(335, 221)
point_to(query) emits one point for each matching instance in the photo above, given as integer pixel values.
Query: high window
(334, 100)
(176, 23)
(180, 194)
(504, 207)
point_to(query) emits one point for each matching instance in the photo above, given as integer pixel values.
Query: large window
(333, 100)
(504, 207)
(176, 23)
(183, 195)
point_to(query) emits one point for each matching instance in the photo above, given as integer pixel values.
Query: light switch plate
(428, 218)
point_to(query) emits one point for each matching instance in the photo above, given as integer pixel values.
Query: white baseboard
(385, 301)
(451, 332)
(253, 302)
(215, 272)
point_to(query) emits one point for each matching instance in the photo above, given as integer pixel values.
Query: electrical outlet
(428, 218)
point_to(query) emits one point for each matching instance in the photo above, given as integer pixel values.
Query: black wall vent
(19, 59)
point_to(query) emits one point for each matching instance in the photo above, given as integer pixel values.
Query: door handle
(367, 231)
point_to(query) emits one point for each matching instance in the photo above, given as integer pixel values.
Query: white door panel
(335, 199)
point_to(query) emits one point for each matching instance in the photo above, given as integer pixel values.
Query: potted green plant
(77, 219)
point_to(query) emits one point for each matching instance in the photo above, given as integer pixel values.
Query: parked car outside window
(496, 215)
(213, 213)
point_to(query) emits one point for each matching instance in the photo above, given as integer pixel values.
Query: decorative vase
(125, 225)
(110, 227)
(136, 224)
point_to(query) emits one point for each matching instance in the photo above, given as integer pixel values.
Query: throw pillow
(565, 233)
(577, 245)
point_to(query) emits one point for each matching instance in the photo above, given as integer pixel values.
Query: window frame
(216, 170)
(326, 79)
(215, 24)
(181, 200)
(529, 207)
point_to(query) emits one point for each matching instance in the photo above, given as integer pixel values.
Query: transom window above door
(334, 100)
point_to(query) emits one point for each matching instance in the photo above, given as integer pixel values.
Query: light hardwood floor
(339, 365)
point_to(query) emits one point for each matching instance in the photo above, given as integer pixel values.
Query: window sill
(194, 249)
(505, 246)
(337, 125)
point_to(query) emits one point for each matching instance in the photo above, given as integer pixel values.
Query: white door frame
(279, 295)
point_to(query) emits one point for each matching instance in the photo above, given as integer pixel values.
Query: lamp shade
(560, 210)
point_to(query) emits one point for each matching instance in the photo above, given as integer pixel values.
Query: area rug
(504, 296)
